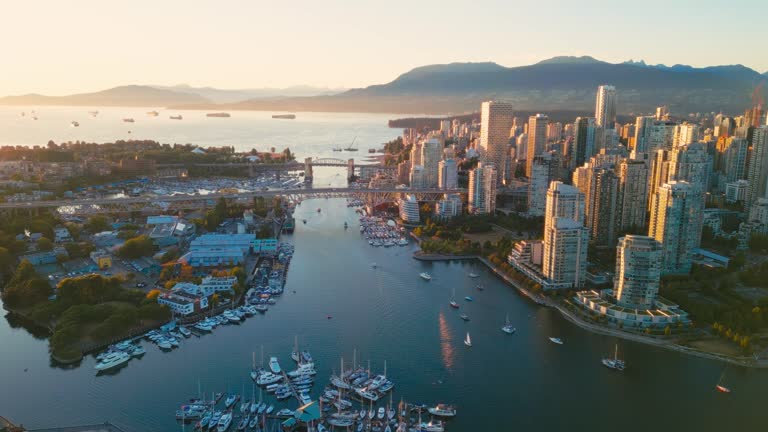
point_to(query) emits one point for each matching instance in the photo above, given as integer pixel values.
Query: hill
(561, 83)
(216, 95)
(130, 95)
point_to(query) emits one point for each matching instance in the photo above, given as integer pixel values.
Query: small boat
(74, 123)
(464, 316)
(508, 329)
(556, 340)
(230, 400)
(284, 116)
(442, 410)
(218, 114)
(243, 423)
(253, 423)
(381, 413)
(185, 332)
(614, 363)
(720, 387)
(176, 117)
(269, 410)
(453, 300)
(153, 113)
(467, 340)
(431, 427)
(425, 276)
(274, 365)
(285, 412)
(473, 275)
(128, 120)
(362, 414)
(468, 298)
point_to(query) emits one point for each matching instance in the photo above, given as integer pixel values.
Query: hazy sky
(60, 47)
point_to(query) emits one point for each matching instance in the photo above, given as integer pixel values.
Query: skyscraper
(545, 170)
(601, 205)
(733, 159)
(537, 139)
(431, 154)
(633, 195)
(674, 214)
(495, 127)
(564, 201)
(758, 166)
(418, 179)
(448, 174)
(643, 126)
(605, 106)
(686, 133)
(638, 271)
(482, 189)
(583, 141)
(565, 238)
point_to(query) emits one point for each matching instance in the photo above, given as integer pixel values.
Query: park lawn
(493, 236)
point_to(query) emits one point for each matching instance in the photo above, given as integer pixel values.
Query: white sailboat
(508, 329)
(453, 300)
(614, 363)
(467, 340)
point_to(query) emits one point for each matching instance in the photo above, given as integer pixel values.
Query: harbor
(336, 305)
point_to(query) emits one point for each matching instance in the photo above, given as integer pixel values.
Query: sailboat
(467, 340)
(508, 329)
(614, 363)
(720, 387)
(453, 300)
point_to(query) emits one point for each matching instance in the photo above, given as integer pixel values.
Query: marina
(386, 313)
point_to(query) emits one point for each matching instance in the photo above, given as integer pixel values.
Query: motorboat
(381, 413)
(473, 275)
(274, 365)
(224, 422)
(464, 316)
(112, 360)
(453, 300)
(469, 298)
(426, 276)
(185, 332)
(433, 426)
(268, 378)
(556, 340)
(442, 410)
(285, 412)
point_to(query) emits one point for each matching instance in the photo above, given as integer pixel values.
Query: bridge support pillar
(350, 168)
(308, 174)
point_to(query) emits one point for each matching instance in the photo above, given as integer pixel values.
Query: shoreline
(569, 316)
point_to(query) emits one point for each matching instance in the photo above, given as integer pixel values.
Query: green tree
(137, 247)
(97, 224)
(44, 244)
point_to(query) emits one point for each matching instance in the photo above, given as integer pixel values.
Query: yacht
(508, 329)
(556, 340)
(425, 276)
(467, 340)
(112, 360)
(722, 389)
(473, 275)
(442, 410)
(381, 413)
(224, 422)
(185, 332)
(614, 363)
(274, 366)
(137, 351)
(268, 378)
(230, 400)
(153, 113)
(468, 298)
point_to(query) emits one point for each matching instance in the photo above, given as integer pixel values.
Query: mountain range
(559, 83)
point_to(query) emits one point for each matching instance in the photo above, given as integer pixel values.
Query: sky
(60, 47)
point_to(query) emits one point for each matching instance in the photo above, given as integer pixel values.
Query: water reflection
(446, 345)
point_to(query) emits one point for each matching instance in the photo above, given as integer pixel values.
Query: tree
(6, 260)
(97, 224)
(44, 244)
(137, 247)
(153, 294)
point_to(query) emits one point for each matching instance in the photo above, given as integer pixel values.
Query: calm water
(520, 382)
(310, 134)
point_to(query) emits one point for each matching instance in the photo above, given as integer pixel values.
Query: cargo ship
(219, 114)
(284, 116)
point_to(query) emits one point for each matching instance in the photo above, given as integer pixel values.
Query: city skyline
(79, 43)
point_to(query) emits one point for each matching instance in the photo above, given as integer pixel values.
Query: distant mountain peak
(570, 60)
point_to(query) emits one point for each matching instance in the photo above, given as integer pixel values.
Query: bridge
(256, 168)
(153, 203)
